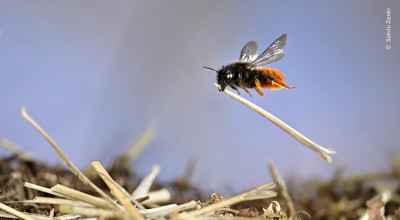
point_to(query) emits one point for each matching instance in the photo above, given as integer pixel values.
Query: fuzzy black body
(239, 74)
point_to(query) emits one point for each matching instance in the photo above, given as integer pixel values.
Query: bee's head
(221, 77)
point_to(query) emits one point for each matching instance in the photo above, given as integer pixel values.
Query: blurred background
(94, 74)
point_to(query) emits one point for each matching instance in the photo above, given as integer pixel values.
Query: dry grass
(324, 152)
(76, 204)
(36, 191)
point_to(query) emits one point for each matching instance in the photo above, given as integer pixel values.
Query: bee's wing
(249, 52)
(273, 53)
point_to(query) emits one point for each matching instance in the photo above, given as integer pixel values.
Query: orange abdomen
(272, 79)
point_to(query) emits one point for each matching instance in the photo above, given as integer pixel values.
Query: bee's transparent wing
(272, 54)
(249, 52)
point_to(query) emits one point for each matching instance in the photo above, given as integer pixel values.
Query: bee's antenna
(206, 67)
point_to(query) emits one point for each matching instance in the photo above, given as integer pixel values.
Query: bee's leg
(258, 88)
(276, 84)
(281, 84)
(240, 82)
(244, 88)
(233, 87)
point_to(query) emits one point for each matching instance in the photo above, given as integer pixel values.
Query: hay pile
(33, 190)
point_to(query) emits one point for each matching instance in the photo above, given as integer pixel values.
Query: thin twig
(157, 209)
(281, 187)
(91, 212)
(139, 144)
(8, 145)
(169, 211)
(51, 215)
(84, 197)
(97, 165)
(45, 190)
(6, 215)
(226, 202)
(291, 131)
(117, 192)
(15, 212)
(63, 157)
(143, 188)
(56, 201)
(158, 196)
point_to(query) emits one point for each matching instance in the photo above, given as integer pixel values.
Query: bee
(248, 73)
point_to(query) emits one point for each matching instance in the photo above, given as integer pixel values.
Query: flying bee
(247, 71)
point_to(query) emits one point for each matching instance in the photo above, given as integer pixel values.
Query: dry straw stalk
(291, 131)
